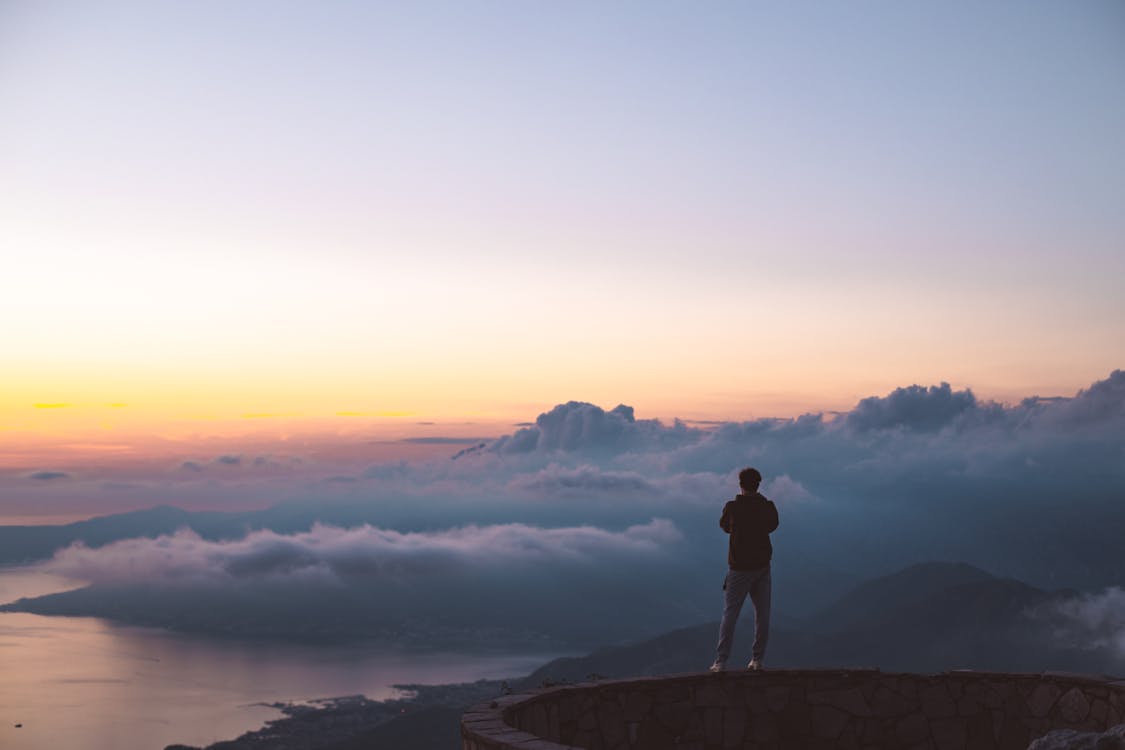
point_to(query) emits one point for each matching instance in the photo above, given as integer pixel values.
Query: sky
(232, 228)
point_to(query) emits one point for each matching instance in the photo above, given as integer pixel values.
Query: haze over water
(81, 683)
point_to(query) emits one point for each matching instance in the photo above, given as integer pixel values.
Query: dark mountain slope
(22, 544)
(930, 617)
(873, 599)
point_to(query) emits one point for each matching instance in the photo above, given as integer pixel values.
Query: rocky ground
(1068, 739)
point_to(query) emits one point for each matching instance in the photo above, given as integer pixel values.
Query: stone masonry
(788, 709)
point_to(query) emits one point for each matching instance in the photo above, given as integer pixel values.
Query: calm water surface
(79, 683)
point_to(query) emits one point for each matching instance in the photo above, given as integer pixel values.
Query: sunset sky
(269, 221)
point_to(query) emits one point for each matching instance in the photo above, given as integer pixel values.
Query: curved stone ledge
(779, 709)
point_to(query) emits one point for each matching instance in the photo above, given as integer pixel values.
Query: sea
(81, 683)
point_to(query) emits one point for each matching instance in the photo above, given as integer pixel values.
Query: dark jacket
(749, 519)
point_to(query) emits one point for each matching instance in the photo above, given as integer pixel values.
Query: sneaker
(718, 667)
(755, 665)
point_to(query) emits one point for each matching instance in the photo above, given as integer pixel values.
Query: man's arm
(724, 522)
(771, 517)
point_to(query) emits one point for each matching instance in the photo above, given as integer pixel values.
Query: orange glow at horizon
(162, 410)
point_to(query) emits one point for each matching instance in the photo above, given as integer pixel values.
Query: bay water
(80, 683)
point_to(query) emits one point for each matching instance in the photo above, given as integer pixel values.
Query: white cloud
(584, 481)
(332, 553)
(1089, 621)
(786, 490)
(581, 427)
(914, 408)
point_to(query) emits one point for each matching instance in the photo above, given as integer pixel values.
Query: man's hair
(749, 479)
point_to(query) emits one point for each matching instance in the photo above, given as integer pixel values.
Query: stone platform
(789, 709)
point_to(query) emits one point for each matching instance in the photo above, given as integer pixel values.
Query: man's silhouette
(749, 519)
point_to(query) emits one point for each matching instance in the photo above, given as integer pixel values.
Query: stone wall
(816, 709)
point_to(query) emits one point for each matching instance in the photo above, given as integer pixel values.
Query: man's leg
(760, 590)
(734, 594)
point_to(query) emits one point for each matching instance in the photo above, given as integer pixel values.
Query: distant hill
(287, 612)
(25, 544)
(872, 600)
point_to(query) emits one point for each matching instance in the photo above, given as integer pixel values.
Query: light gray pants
(736, 587)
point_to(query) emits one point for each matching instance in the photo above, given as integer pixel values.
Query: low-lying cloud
(1089, 621)
(510, 584)
(46, 476)
(339, 554)
(581, 481)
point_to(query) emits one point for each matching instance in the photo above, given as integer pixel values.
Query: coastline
(423, 712)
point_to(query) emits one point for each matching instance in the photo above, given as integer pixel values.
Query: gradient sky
(213, 212)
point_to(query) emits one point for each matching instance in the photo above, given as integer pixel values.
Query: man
(749, 519)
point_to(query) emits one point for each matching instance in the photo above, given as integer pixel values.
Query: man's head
(749, 479)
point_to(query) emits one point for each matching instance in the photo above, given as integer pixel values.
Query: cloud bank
(507, 584)
(560, 513)
(1089, 621)
(327, 553)
(1031, 490)
(46, 476)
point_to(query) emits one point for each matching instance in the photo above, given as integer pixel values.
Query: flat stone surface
(1072, 677)
(653, 736)
(949, 734)
(935, 702)
(777, 698)
(756, 701)
(509, 737)
(675, 716)
(828, 722)
(795, 720)
(612, 723)
(485, 725)
(539, 744)
(585, 739)
(968, 705)
(997, 694)
(886, 702)
(734, 726)
(908, 689)
(1042, 699)
(813, 709)
(637, 706)
(711, 694)
(850, 700)
(912, 729)
(1073, 707)
(764, 728)
(978, 732)
(1013, 735)
(539, 723)
(847, 739)
(713, 725)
